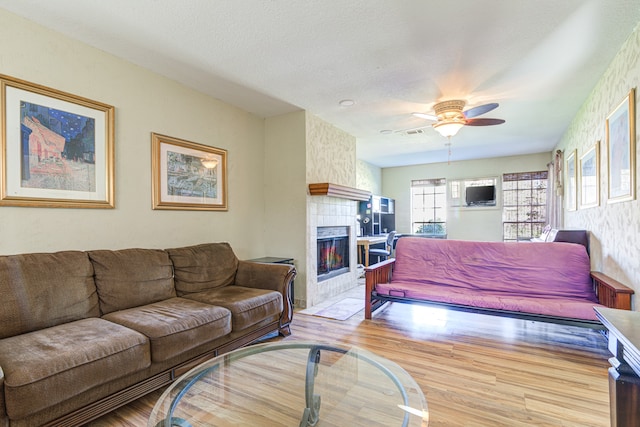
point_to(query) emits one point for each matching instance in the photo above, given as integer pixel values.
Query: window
(524, 205)
(473, 193)
(429, 206)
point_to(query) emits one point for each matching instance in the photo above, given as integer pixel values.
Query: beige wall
(144, 103)
(331, 153)
(462, 223)
(369, 177)
(614, 227)
(286, 192)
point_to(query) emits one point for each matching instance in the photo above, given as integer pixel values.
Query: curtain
(555, 195)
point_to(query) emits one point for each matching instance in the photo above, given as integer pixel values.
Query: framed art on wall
(589, 177)
(571, 187)
(57, 148)
(621, 150)
(187, 175)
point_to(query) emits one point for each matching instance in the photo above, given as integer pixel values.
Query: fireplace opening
(333, 252)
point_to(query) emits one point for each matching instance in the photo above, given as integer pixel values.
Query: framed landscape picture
(589, 177)
(187, 175)
(571, 188)
(621, 150)
(57, 148)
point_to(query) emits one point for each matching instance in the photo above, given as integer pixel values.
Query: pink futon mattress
(540, 278)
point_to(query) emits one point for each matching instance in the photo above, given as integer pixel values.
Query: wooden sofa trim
(287, 313)
(610, 292)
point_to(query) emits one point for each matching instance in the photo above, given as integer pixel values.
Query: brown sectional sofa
(82, 333)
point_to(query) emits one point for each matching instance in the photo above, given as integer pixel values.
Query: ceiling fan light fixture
(450, 117)
(448, 128)
(446, 108)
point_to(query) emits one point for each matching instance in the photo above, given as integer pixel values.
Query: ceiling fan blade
(484, 122)
(425, 116)
(479, 110)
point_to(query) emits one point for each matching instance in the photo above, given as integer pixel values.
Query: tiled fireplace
(333, 252)
(331, 221)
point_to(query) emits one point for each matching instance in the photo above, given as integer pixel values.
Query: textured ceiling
(539, 59)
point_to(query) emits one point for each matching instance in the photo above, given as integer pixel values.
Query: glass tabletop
(293, 384)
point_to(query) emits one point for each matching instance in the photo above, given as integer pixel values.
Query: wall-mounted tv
(483, 195)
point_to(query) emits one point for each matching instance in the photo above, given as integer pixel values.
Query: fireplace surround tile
(328, 212)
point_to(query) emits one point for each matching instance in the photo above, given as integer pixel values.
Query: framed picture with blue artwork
(57, 148)
(188, 175)
(590, 177)
(621, 150)
(571, 186)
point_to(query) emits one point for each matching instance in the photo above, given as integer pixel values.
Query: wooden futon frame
(610, 292)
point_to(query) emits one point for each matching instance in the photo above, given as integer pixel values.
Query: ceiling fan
(450, 117)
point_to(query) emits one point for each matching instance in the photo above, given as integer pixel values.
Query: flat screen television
(483, 195)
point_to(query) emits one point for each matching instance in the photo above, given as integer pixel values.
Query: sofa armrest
(610, 292)
(274, 277)
(374, 274)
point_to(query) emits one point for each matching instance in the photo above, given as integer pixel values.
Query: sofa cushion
(248, 306)
(48, 366)
(201, 267)
(132, 277)
(175, 325)
(45, 289)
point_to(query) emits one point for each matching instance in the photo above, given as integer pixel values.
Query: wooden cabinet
(377, 216)
(624, 373)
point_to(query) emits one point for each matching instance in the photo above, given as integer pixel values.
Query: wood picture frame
(187, 175)
(57, 149)
(621, 151)
(590, 177)
(571, 187)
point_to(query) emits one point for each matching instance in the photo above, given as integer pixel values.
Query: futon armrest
(610, 292)
(374, 274)
(378, 273)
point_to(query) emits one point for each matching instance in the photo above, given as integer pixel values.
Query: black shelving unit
(377, 216)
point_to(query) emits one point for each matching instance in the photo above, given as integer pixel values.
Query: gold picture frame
(590, 177)
(571, 187)
(187, 175)
(57, 149)
(621, 151)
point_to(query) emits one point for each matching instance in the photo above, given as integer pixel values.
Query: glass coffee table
(296, 384)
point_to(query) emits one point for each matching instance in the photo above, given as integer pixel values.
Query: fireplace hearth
(333, 252)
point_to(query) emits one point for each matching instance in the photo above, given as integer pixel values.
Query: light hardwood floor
(474, 370)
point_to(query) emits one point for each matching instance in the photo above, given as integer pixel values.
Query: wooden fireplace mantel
(341, 191)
